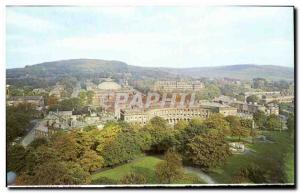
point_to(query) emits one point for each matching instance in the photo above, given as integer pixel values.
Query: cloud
(116, 11)
(157, 36)
(27, 22)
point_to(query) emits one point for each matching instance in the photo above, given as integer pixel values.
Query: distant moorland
(92, 67)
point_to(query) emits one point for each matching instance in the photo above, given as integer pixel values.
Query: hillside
(85, 68)
(243, 72)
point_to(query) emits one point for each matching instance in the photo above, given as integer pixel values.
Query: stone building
(107, 90)
(272, 109)
(173, 85)
(260, 94)
(44, 131)
(219, 108)
(36, 101)
(251, 108)
(64, 121)
(248, 108)
(279, 98)
(171, 115)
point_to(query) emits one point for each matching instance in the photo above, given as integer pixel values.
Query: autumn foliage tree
(55, 173)
(217, 122)
(170, 168)
(133, 178)
(236, 127)
(273, 122)
(208, 150)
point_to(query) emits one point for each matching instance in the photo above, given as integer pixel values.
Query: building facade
(36, 101)
(173, 115)
(174, 85)
(280, 99)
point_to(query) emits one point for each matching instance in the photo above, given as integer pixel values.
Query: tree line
(71, 157)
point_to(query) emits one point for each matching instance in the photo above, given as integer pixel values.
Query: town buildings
(174, 85)
(106, 92)
(66, 120)
(248, 108)
(35, 101)
(173, 114)
(277, 98)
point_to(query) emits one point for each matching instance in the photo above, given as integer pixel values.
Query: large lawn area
(270, 156)
(145, 166)
(276, 157)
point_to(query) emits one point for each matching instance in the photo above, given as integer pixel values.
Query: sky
(151, 36)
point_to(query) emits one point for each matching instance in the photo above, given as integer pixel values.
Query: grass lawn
(145, 166)
(268, 155)
(289, 166)
(225, 173)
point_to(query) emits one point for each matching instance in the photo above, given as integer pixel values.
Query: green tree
(90, 95)
(66, 146)
(252, 99)
(90, 127)
(52, 101)
(170, 168)
(291, 125)
(260, 119)
(15, 155)
(247, 127)
(181, 125)
(83, 97)
(246, 123)
(252, 173)
(133, 178)
(104, 180)
(240, 97)
(122, 149)
(209, 92)
(217, 121)
(259, 83)
(236, 127)
(17, 120)
(56, 173)
(208, 150)
(15, 91)
(70, 104)
(196, 123)
(39, 156)
(107, 135)
(195, 127)
(38, 142)
(119, 142)
(162, 135)
(91, 161)
(273, 122)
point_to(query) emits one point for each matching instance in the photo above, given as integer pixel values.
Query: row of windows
(144, 119)
(181, 112)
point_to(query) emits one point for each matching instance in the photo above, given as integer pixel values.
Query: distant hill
(85, 68)
(243, 72)
(70, 67)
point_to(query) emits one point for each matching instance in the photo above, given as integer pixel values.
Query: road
(76, 90)
(30, 135)
(206, 178)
